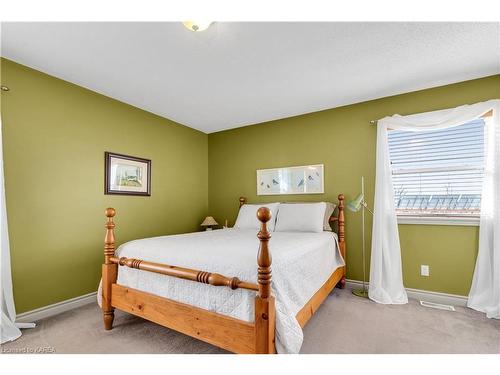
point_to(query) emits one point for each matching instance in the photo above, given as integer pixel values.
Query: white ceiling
(236, 74)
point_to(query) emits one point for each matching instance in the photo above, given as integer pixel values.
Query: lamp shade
(209, 221)
(356, 203)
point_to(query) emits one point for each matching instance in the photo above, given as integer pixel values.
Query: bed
(164, 280)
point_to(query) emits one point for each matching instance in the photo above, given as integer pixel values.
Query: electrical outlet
(424, 270)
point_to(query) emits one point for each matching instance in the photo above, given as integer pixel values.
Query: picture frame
(126, 175)
(304, 179)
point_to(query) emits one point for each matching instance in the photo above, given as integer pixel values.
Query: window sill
(439, 220)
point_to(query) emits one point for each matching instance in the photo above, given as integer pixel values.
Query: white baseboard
(424, 295)
(56, 308)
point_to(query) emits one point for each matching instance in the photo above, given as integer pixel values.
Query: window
(438, 173)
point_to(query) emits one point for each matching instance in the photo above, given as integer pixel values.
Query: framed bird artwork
(305, 179)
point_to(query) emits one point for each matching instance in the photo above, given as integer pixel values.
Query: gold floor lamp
(355, 205)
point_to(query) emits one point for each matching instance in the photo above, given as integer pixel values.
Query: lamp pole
(355, 205)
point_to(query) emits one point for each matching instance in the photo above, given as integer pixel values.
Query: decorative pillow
(301, 217)
(247, 217)
(330, 207)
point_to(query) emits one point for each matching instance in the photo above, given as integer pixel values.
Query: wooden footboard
(223, 331)
(228, 333)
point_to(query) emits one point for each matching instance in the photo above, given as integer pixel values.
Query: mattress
(301, 264)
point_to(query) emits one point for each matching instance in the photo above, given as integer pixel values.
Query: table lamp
(355, 205)
(209, 222)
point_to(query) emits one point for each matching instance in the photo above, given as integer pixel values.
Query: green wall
(55, 134)
(344, 141)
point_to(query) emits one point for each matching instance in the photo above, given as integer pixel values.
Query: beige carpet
(343, 324)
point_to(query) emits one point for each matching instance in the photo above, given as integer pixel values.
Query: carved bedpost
(109, 270)
(243, 200)
(341, 234)
(264, 302)
(109, 239)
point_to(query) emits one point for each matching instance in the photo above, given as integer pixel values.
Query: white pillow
(301, 217)
(247, 217)
(330, 207)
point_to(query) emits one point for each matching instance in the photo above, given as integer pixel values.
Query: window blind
(438, 172)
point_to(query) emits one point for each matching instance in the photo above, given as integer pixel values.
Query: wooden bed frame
(220, 330)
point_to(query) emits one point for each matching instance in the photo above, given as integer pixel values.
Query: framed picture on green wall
(126, 175)
(304, 179)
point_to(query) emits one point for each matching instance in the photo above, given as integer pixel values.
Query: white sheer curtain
(386, 275)
(484, 294)
(8, 330)
(386, 281)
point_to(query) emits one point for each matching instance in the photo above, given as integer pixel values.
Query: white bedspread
(301, 264)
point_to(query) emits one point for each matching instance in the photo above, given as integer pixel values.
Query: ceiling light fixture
(197, 25)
